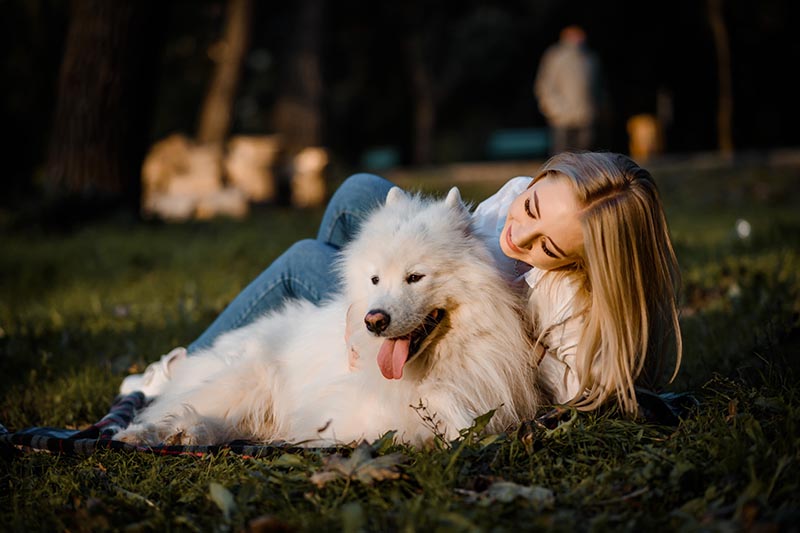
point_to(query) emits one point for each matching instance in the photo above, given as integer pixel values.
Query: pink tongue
(392, 357)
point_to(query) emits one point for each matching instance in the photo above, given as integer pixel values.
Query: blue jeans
(305, 269)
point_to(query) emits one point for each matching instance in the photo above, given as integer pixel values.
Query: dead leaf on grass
(507, 491)
(361, 466)
(223, 498)
(268, 524)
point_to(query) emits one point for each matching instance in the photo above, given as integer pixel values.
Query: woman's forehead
(555, 181)
(550, 175)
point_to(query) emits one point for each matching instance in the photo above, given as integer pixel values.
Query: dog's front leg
(187, 428)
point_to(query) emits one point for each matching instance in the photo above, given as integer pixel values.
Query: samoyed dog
(425, 336)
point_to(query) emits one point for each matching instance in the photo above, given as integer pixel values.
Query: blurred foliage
(483, 55)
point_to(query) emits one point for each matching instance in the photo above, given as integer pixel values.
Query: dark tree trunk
(104, 103)
(297, 114)
(725, 105)
(215, 117)
(425, 102)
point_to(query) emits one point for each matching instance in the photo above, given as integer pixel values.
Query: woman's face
(543, 227)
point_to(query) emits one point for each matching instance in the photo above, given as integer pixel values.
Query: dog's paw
(196, 435)
(154, 435)
(181, 438)
(139, 435)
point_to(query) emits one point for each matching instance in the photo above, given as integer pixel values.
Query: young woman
(586, 237)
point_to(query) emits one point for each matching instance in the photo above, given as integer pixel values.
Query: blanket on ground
(663, 409)
(98, 436)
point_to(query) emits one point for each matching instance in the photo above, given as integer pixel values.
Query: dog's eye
(375, 280)
(413, 278)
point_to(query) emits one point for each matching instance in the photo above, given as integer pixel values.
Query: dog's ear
(454, 199)
(394, 195)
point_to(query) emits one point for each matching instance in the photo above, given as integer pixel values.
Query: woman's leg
(350, 204)
(304, 270)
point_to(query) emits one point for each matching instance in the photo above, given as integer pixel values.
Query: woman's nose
(526, 234)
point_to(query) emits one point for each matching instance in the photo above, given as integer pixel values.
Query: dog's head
(404, 271)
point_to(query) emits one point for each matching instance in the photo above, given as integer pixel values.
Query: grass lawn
(79, 310)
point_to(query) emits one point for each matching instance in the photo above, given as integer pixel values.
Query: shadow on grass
(69, 376)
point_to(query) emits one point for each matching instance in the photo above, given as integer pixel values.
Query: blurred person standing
(567, 88)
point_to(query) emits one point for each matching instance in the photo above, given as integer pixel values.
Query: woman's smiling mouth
(514, 248)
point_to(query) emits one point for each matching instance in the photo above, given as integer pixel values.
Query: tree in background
(447, 48)
(297, 112)
(725, 81)
(215, 117)
(103, 104)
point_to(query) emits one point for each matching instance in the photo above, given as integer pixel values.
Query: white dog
(436, 327)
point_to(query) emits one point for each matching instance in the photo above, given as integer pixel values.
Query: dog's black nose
(377, 320)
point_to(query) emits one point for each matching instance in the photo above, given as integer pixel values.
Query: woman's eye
(375, 280)
(528, 207)
(547, 251)
(413, 278)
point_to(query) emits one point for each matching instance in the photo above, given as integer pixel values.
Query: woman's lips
(510, 243)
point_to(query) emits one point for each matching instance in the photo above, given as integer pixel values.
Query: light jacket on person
(566, 85)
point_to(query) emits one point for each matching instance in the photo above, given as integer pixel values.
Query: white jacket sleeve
(490, 217)
(552, 302)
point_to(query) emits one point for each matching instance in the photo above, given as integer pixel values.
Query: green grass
(78, 310)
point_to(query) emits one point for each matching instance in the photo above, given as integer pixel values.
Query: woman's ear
(395, 195)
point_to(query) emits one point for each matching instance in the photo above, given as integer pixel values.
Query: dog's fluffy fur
(291, 376)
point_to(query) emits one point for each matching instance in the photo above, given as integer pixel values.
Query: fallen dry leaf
(507, 491)
(361, 466)
(223, 498)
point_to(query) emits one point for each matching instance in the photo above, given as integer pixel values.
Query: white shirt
(551, 297)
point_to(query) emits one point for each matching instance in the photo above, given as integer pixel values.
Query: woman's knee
(361, 189)
(309, 253)
(359, 195)
(308, 270)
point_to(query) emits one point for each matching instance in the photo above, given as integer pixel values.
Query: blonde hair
(628, 278)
